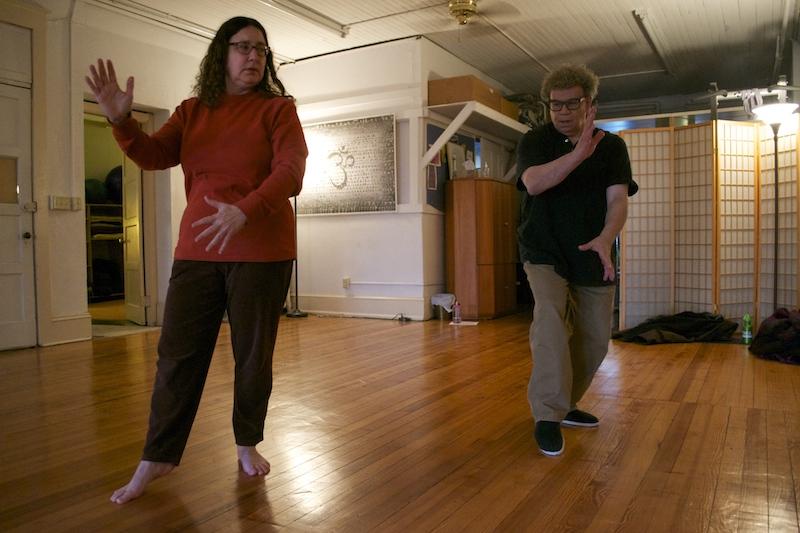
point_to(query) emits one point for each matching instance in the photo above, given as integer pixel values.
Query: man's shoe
(548, 437)
(580, 419)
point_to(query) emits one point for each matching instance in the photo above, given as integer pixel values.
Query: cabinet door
(497, 207)
(497, 290)
(486, 209)
(507, 289)
(509, 218)
(487, 291)
(461, 242)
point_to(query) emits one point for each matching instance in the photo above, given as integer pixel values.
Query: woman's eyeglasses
(244, 47)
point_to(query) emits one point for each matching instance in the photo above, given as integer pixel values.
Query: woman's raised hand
(115, 103)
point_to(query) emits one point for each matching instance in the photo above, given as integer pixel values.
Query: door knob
(27, 235)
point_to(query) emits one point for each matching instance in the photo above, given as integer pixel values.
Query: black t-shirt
(555, 222)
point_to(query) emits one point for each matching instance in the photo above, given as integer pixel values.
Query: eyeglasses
(558, 105)
(244, 47)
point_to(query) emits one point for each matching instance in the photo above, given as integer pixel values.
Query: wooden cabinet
(481, 218)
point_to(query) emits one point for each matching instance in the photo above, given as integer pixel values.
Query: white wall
(67, 229)
(380, 252)
(395, 260)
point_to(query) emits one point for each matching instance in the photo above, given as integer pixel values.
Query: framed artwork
(350, 167)
(431, 178)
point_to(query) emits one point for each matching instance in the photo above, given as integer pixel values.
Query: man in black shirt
(577, 180)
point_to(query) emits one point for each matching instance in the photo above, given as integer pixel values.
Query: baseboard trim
(64, 329)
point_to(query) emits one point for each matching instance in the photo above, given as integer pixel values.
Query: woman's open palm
(114, 102)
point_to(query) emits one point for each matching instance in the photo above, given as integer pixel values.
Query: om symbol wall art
(350, 167)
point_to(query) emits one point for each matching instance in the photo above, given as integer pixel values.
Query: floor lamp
(774, 115)
(295, 312)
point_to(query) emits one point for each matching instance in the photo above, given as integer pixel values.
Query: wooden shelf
(484, 119)
(106, 246)
(477, 116)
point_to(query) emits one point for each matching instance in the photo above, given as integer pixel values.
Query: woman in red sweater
(243, 153)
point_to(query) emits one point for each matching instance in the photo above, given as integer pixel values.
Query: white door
(135, 308)
(17, 307)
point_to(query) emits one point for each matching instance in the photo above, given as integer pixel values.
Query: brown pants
(199, 294)
(569, 339)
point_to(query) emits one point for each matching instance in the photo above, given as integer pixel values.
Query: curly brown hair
(210, 82)
(568, 76)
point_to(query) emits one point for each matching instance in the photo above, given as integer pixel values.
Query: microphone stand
(296, 312)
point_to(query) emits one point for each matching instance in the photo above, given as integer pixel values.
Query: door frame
(148, 217)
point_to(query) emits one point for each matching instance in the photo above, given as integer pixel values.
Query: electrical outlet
(345, 283)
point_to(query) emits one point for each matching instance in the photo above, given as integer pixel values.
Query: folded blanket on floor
(687, 326)
(778, 337)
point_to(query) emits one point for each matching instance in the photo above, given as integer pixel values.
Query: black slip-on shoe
(580, 419)
(548, 437)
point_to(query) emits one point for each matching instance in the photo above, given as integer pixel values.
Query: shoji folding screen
(736, 171)
(788, 222)
(694, 218)
(692, 240)
(646, 288)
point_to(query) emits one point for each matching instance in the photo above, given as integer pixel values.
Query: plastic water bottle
(456, 313)
(747, 329)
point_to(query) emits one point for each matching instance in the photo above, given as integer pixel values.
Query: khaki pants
(569, 339)
(199, 294)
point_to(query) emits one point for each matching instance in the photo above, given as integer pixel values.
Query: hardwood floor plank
(781, 498)
(700, 461)
(792, 431)
(728, 494)
(625, 507)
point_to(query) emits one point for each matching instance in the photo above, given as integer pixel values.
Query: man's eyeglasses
(244, 47)
(558, 105)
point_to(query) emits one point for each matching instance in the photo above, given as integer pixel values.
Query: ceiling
(642, 49)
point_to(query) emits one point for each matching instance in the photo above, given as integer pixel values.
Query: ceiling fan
(462, 10)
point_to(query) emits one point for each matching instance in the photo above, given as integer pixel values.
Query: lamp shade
(774, 113)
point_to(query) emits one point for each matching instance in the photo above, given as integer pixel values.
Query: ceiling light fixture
(309, 15)
(774, 114)
(775, 111)
(463, 10)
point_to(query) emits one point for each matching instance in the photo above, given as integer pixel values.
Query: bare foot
(252, 462)
(146, 472)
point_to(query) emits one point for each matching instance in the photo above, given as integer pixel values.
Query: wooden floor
(110, 310)
(378, 425)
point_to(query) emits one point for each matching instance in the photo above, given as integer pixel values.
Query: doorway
(105, 280)
(117, 289)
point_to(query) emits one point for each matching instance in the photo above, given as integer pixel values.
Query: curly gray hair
(568, 76)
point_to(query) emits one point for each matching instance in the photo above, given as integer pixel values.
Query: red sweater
(248, 151)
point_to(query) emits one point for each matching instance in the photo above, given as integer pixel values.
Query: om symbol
(343, 160)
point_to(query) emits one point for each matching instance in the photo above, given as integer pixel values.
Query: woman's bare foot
(146, 472)
(252, 462)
